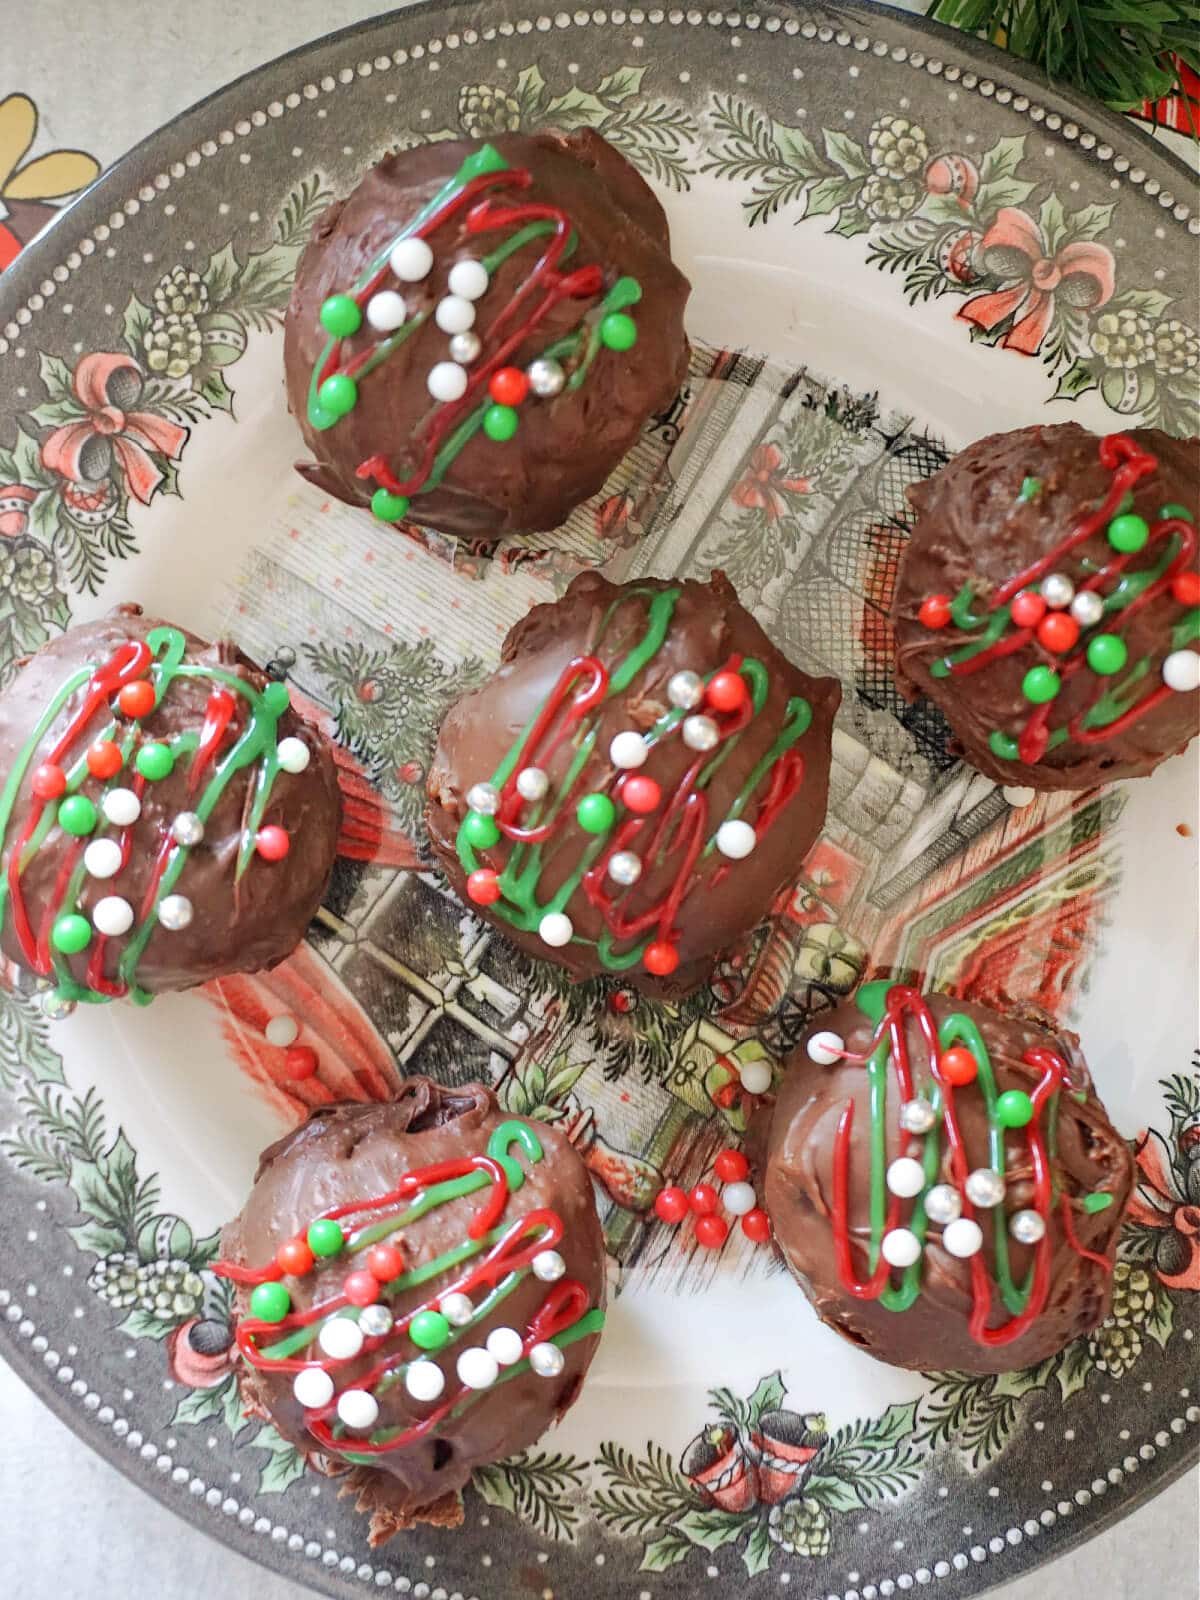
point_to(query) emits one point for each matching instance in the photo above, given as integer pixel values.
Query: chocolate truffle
(637, 782)
(421, 1290)
(478, 333)
(165, 818)
(1049, 603)
(952, 1208)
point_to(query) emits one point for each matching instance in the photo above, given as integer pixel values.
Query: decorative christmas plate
(899, 241)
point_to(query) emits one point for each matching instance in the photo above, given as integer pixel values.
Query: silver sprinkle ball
(549, 1266)
(943, 1204)
(546, 377)
(1057, 591)
(700, 733)
(1087, 608)
(375, 1321)
(56, 1006)
(1026, 1227)
(465, 348)
(457, 1308)
(685, 690)
(187, 829)
(175, 912)
(547, 1360)
(917, 1116)
(532, 783)
(624, 868)
(484, 798)
(984, 1187)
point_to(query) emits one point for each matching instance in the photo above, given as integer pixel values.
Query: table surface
(134, 1547)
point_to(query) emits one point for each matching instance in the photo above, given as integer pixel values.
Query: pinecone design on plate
(165, 1289)
(800, 1527)
(174, 344)
(898, 148)
(1117, 1342)
(483, 110)
(888, 200)
(27, 573)
(180, 292)
(1176, 348)
(1124, 339)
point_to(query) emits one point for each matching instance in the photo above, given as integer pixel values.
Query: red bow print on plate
(762, 486)
(108, 386)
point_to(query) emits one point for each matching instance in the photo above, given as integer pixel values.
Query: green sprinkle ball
(155, 761)
(1014, 1109)
(77, 815)
(1003, 745)
(325, 1237)
(270, 1302)
(429, 1330)
(1040, 684)
(72, 933)
(595, 813)
(389, 507)
(1092, 1203)
(277, 697)
(500, 423)
(480, 831)
(1128, 533)
(1107, 653)
(618, 332)
(340, 316)
(338, 394)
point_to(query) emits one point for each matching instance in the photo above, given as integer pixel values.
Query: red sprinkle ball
(935, 611)
(361, 1288)
(1186, 588)
(294, 1258)
(104, 759)
(661, 958)
(483, 886)
(1028, 609)
(712, 1232)
(299, 1061)
(385, 1262)
(958, 1066)
(756, 1225)
(272, 843)
(1058, 632)
(48, 781)
(731, 1166)
(509, 386)
(640, 795)
(726, 692)
(671, 1204)
(137, 699)
(703, 1199)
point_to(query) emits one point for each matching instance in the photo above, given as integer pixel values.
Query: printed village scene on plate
(512, 1165)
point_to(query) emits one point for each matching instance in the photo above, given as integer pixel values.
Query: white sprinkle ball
(457, 1309)
(1019, 795)
(187, 829)
(485, 798)
(464, 348)
(556, 929)
(628, 750)
(962, 1237)
(175, 912)
(1087, 608)
(1181, 671)
(411, 260)
(685, 690)
(736, 839)
(547, 1360)
(505, 1346)
(900, 1247)
(424, 1379)
(102, 858)
(447, 381)
(112, 916)
(943, 1204)
(386, 311)
(905, 1177)
(358, 1409)
(341, 1338)
(826, 1047)
(755, 1077)
(282, 1030)
(121, 807)
(468, 279)
(700, 733)
(292, 754)
(454, 314)
(532, 783)
(313, 1387)
(738, 1199)
(624, 868)
(549, 1266)
(477, 1368)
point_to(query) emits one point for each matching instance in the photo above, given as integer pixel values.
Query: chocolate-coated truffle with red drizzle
(1049, 603)
(635, 784)
(478, 333)
(421, 1288)
(943, 1181)
(151, 787)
